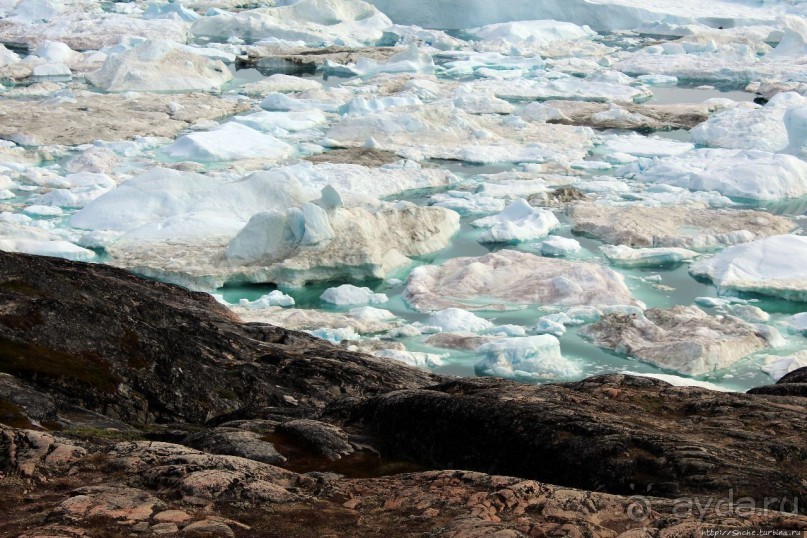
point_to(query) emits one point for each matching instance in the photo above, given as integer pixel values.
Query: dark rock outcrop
(325, 439)
(614, 433)
(99, 369)
(796, 376)
(140, 351)
(235, 442)
(792, 384)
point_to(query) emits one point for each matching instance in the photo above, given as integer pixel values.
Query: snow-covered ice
(770, 266)
(518, 222)
(348, 294)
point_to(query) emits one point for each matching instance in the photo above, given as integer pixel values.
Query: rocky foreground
(131, 407)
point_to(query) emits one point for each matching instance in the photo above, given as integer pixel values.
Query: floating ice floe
(690, 226)
(60, 249)
(742, 174)
(643, 146)
(602, 16)
(596, 88)
(84, 30)
(508, 278)
(307, 319)
(282, 102)
(645, 257)
(411, 60)
(559, 246)
(485, 103)
(345, 22)
(529, 357)
(738, 55)
(554, 324)
(531, 32)
(359, 106)
(518, 222)
(273, 298)
(292, 121)
(258, 229)
(336, 336)
(458, 320)
(281, 83)
(796, 125)
(441, 130)
(747, 127)
(159, 65)
(229, 142)
(348, 294)
(778, 366)
(682, 338)
(412, 358)
(7, 57)
(796, 322)
(769, 266)
(467, 202)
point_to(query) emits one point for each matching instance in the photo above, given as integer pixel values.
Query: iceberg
(229, 142)
(645, 257)
(560, 246)
(508, 278)
(539, 32)
(348, 294)
(159, 65)
(346, 22)
(529, 357)
(518, 222)
(742, 174)
(458, 320)
(770, 266)
(601, 15)
(683, 338)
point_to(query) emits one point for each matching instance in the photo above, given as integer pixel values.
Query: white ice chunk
(228, 142)
(158, 65)
(348, 294)
(774, 266)
(559, 246)
(59, 249)
(518, 222)
(777, 366)
(458, 320)
(744, 174)
(645, 257)
(273, 298)
(532, 357)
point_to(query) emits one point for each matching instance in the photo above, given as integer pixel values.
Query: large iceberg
(605, 15)
(350, 22)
